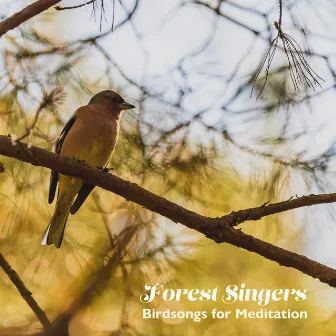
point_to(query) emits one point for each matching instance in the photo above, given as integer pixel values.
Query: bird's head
(112, 101)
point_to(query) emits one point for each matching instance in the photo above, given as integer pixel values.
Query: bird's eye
(116, 100)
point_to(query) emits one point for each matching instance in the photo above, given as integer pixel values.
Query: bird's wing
(83, 194)
(58, 147)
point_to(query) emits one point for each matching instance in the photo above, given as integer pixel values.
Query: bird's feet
(80, 161)
(106, 169)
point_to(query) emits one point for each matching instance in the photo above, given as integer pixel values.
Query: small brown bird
(90, 135)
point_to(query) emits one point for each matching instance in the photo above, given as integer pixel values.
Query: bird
(90, 135)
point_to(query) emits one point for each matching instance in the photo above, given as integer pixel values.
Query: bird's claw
(79, 160)
(107, 170)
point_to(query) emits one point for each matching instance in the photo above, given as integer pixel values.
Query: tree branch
(25, 14)
(59, 8)
(218, 229)
(25, 293)
(238, 217)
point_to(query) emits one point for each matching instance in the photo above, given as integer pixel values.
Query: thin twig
(113, 16)
(94, 285)
(59, 8)
(25, 293)
(50, 100)
(253, 214)
(299, 69)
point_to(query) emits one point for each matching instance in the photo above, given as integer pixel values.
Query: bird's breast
(92, 140)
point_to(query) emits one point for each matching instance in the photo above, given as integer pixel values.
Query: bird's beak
(126, 106)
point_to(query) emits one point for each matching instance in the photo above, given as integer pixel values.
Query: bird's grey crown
(107, 93)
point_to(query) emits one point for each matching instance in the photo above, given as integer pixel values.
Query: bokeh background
(198, 137)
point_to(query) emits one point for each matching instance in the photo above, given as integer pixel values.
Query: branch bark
(25, 14)
(25, 293)
(238, 217)
(218, 229)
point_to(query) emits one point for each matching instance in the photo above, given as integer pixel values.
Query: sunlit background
(198, 137)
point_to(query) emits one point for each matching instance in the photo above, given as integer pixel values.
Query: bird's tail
(55, 230)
